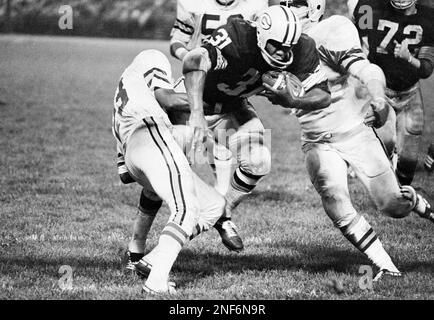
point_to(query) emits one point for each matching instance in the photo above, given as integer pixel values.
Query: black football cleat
(131, 259)
(423, 208)
(429, 159)
(229, 233)
(143, 268)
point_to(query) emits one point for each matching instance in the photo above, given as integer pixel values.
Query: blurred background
(145, 19)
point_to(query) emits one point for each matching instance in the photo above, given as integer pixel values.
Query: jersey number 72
(411, 30)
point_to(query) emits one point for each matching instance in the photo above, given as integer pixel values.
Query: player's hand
(199, 125)
(369, 118)
(401, 50)
(285, 97)
(380, 111)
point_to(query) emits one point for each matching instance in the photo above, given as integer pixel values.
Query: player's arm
(195, 66)
(123, 173)
(372, 76)
(170, 100)
(182, 32)
(314, 95)
(178, 49)
(424, 62)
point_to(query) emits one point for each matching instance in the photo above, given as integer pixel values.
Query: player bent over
(156, 161)
(338, 137)
(227, 70)
(194, 24)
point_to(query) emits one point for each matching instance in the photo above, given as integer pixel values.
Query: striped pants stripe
(157, 162)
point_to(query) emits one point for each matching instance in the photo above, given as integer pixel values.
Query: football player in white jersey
(154, 157)
(340, 136)
(194, 24)
(196, 20)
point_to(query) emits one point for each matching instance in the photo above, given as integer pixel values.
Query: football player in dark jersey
(399, 37)
(228, 69)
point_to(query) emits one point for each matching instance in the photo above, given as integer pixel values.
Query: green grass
(61, 202)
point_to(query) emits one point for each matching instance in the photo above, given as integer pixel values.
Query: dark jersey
(238, 65)
(388, 25)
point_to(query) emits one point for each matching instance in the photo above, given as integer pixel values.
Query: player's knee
(394, 207)
(414, 122)
(393, 210)
(149, 202)
(344, 219)
(257, 161)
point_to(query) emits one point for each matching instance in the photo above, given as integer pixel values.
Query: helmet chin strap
(276, 63)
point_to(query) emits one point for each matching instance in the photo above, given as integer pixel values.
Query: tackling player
(338, 137)
(228, 69)
(399, 37)
(155, 160)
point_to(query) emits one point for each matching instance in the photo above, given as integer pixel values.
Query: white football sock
(360, 233)
(164, 255)
(223, 173)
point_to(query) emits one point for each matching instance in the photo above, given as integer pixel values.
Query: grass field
(61, 202)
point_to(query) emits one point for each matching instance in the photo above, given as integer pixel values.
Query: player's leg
(387, 134)
(328, 173)
(250, 146)
(154, 156)
(409, 135)
(372, 167)
(149, 204)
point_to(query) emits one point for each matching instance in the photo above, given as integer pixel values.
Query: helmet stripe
(295, 27)
(287, 27)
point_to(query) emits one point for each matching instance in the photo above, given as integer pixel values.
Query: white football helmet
(307, 9)
(402, 4)
(281, 24)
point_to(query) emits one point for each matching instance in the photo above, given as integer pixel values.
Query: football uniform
(194, 24)
(390, 25)
(236, 73)
(237, 65)
(196, 20)
(337, 136)
(152, 156)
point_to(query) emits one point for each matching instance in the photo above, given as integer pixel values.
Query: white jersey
(197, 19)
(338, 43)
(134, 99)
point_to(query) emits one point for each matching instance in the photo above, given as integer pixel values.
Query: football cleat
(169, 290)
(423, 208)
(229, 233)
(429, 159)
(386, 273)
(143, 268)
(131, 259)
